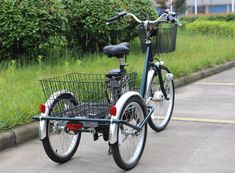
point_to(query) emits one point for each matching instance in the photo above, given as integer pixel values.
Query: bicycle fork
(169, 77)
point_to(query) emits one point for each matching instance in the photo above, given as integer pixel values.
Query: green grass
(21, 93)
(195, 52)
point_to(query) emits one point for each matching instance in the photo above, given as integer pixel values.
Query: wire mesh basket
(163, 37)
(93, 93)
(166, 37)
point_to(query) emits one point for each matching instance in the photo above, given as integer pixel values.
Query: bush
(227, 18)
(210, 24)
(222, 17)
(35, 27)
(188, 18)
(212, 27)
(27, 25)
(87, 22)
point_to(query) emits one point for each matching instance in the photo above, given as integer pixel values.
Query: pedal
(156, 100)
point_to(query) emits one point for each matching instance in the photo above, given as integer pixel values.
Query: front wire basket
(163, 39)
(166, 37)
(93, 93)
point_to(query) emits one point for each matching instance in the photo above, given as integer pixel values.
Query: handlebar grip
(119, 16)
(112, 19)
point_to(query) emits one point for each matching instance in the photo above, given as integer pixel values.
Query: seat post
(122, 62)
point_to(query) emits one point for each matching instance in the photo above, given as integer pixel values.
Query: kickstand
(109, 151)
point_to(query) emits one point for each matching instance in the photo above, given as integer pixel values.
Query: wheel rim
(130, 142)
(162, 106)
(61, 142)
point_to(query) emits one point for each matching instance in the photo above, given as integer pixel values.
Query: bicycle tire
(159, 120)
(134, 154)
(49, 145)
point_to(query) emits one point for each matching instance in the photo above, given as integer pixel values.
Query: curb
(28, 132)
(18, 135)
(203, 74)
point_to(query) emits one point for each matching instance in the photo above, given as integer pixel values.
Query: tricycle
(109, 105)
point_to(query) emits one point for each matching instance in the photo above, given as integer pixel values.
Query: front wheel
(163, 107)
(60, 145)
(129, 147)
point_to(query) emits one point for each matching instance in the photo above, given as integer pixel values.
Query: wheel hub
(57, 128)
(158, 97)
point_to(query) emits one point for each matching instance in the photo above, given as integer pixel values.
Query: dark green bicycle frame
(149, 62)
(148, 59)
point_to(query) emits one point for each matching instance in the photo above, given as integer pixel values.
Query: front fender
(48, 104)
(151, 73)
(113, 130)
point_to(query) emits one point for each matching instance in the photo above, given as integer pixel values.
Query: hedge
(223, 24)
(27, 25)
(32, 27)
(212, 27)
(221, 17)
(87, 21)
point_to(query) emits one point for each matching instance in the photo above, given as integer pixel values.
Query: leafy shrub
(188, 18)
(27, 25)
(210, 24)
(212, 27)
(87, 22)
(228, 17)
(35, 27)
(221, 17)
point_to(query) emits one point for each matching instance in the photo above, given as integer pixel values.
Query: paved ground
(184, 147)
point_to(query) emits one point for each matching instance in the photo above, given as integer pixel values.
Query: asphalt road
(199, 139)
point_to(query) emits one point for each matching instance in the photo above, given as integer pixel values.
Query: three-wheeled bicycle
(108, 105)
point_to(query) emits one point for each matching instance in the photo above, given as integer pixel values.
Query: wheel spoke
(60, 145)
(130, 142)
(162, 107)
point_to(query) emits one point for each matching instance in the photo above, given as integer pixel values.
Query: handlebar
(166, 16)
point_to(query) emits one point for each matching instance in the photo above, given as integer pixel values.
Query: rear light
(42, 108)
(113, 110)
(73, 127)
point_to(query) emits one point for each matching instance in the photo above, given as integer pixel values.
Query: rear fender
(48, 104)
(113, 130)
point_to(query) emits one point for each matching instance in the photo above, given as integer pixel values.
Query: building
(209, 6)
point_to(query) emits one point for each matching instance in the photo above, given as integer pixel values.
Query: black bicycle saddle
(118, 50)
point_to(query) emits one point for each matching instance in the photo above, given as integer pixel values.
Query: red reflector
(42, 108)
(113, 110)
(73, 127)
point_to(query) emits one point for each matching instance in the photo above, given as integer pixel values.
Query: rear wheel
(163, 108)
(129, 147)
(60, 145)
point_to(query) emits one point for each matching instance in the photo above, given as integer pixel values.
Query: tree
(179, 5)
(162, 3)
